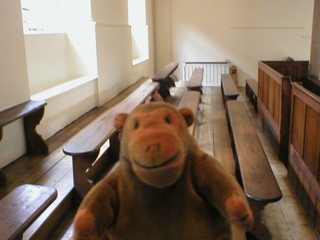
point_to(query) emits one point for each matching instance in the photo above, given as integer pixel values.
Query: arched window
(139, 30)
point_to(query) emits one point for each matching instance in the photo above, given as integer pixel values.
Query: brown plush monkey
(164, 187)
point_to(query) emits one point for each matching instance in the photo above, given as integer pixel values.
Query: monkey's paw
(239, 212)
(84, 226)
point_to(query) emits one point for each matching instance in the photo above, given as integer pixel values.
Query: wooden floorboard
(285, 219)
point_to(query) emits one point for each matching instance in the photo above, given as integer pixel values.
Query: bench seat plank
(90, 141)
(165, 72)
(253, 168)
(165, 78)
(195, 82)
(229, 88)
(257, 177)
(191, 100)
(21, 207)
(14, 113)
(32, 113)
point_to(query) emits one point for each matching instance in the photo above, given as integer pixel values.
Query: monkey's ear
(120, 120)
(188, 115)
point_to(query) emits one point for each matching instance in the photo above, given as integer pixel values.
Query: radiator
(212, 71)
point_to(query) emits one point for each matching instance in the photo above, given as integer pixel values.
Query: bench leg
(259, 231)
(3, 178)
(80, 164)
(35, 143)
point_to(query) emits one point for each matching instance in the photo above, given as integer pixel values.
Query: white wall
(163, 33)
(241, 31)
(13, 69)
(13, 77)
(114, 49)
(57, 63)
(315, 45)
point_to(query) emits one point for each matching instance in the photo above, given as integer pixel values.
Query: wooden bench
(252, 92)
(253, 168)
(191, 100)
(195, 81)
(21, 207)
(228, 88)
(163, 77)
(32, 113)
(88, 147)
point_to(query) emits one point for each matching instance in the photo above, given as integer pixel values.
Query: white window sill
(139, 60)
(62, 88)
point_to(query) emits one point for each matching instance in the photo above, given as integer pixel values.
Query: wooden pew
(89, 148)
(274, 99)
(195, 81)
(21, 207)
(163, 77)
(228, 88)
(32, 113)
(191, 99)
(304, 149)
(252, 92)
(253, 168)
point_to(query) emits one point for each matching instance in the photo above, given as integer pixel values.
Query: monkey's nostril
(154, 148)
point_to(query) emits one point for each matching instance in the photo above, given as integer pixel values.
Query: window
(139, 30)
(41, 16)
(54, 16)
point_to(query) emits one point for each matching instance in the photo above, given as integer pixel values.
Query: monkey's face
(155, 145)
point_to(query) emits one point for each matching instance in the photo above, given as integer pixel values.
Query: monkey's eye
(136, 124)
(168, 120)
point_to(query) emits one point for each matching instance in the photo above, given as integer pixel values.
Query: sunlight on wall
(139, 30)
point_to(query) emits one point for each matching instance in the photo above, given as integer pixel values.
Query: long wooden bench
(32, 113)
(89, 146)
(163, 77)
(191, 100)
(21, 207)
(228, 88)
(253, 168)
(195, 81)
(252, 92)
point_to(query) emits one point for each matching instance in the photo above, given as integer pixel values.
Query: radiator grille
(212, 71)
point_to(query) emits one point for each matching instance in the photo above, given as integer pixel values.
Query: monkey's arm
(97, 211)
(222, 190)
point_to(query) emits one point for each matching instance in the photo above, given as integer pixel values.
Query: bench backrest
(304, 147)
